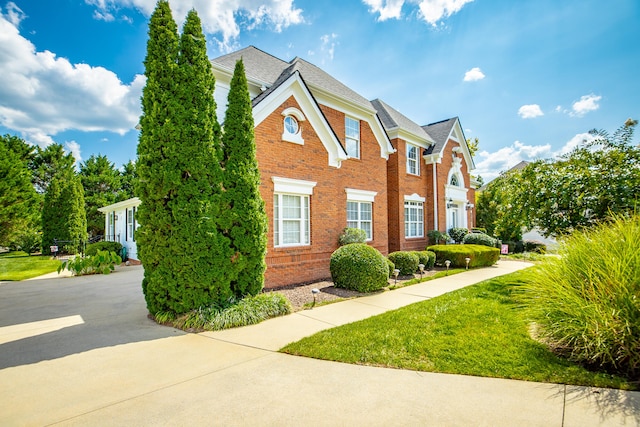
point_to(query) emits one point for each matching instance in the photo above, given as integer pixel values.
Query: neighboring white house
(120, 224)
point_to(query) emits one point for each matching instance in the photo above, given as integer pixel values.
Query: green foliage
(533, 246)
(436, 237)
(359, 267)
(481, 256)
(19, 203)
(391, 265)
(244, 219)
(27, 240)
(457, 234)
(63, 214)
(48, 163)
(93, 248)
(514, 247)
(101, 183)
(585, 302)
(244, 312)
(127, 180)
(496, 210)
(480, 239)
(582, 188)
(103, 262)
(406, 262)
(427, 258)
(352, 235)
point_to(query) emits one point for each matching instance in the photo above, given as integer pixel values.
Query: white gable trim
(457, 135)
(295, 86)
(292, 186)
(360, 195)
(129, 203)
(414, 198)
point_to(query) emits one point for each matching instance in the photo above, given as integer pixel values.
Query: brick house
(329, 158)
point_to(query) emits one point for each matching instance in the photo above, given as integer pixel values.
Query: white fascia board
(360, 195)
(409, 137)
(129, 203)
(294, 86)
(457, 134)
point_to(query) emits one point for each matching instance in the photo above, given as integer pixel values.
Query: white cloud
(433, 11)
(473, 75)
(328, 47)
(579, 139)
(388, 9)
(530, 111)
(74, 148)
(586, 104)
(42, 94)
(103, 16)
(218, 17)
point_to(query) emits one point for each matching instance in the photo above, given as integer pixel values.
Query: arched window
(291, 125)
(292, 130)
(454, 181)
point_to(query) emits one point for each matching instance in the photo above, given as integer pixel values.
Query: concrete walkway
(235, 377)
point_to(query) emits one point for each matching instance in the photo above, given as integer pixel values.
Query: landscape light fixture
(447, 263)
(314, 292)
(421, 267)
(395, 274)
(467, 259)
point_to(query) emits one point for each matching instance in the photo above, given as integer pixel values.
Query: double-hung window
(359, 215)
(352, 137)
(413, 163)
(413, 219)
(130, 221)
(291, 219)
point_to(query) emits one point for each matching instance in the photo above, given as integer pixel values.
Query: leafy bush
(103, 262)
(427, 258)
(533, 246)
(247, 311)
(27, 240)
(481, 256)
(352, 235)
(435, 237)
(93, 248)
(585, 302)
(359, 267)
(392, 266)
(406, 262)
(479, 230)
(480, 239)
(515, 247)
(457, 234)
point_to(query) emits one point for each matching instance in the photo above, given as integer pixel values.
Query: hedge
(427, 258)
(93, 248)
(359, 267)
(406, 262)
(481, 256)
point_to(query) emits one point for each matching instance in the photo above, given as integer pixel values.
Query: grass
(479, 330)
(18, 265)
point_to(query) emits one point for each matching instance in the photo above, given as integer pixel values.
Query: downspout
(435, 198)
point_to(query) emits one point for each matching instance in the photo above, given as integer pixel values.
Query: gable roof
(259, 66)
(394, 121)
(441, 132)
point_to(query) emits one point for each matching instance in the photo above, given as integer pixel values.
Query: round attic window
(291, 125)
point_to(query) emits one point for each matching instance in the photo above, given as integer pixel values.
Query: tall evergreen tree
(244, 219)
(63, 214)
(47, 163)
(127, 181)
(101, 182)
(156, 168)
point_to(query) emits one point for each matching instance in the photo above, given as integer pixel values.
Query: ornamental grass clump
(586, 302)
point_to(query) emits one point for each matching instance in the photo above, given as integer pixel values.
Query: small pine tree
(244, 216)
(63, 214)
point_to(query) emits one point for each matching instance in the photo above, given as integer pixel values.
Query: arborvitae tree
(101, 182)
(47, 163)
(127, 181)
(63, 214)
(156, 168)
(244, 216)
(19, 202)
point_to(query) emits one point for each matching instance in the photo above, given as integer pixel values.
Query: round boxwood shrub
(457, 234)
(392, 266)
(352, 235)
(93, 248)
(427, 258)
(481, 256)
(359, 267)
(406, 262)
(479, 239)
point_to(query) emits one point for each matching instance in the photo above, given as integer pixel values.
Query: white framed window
(291, 219)
(292, 130)
(130, 223)
(413, 219)
(352, 137)
(291, 125)
(413, 162)
(111, 232)
(454, 181)
(360, 215)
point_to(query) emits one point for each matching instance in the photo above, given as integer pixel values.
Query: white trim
(354, 195)
(293, 111)
(292, 186)
(133, 202)
(414, 198)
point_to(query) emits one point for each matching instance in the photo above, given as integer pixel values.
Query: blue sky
(528, 78)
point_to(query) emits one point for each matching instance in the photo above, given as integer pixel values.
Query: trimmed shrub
(392, 266)
(93, 248)
(435, 237)
(533, 246)
(427, 258)
(585, 305)
(406, 262)
(359, 267)
(457, 234)
(481, 256)
(480, 239)
(352, 235)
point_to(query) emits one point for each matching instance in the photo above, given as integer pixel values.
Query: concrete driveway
(81, 351)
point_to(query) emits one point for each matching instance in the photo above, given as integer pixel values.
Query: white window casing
(291, 212)
(293, 186)
(360, 195)
(291, 126)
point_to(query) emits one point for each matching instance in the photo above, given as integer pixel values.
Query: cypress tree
(158, 175)
(244, 219)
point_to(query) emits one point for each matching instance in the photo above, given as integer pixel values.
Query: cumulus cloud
(586, 104)
(328, 47)
(223, 17)
(388, 9)
(42, 94)
(73, 148)
(473, 75)
(433, 11)
(530, 111)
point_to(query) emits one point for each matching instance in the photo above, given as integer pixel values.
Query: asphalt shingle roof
(391, 119)
(439, 132)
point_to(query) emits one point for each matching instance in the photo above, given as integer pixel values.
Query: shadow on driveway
(112, 307)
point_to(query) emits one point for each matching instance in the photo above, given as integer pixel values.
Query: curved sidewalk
(236, 378)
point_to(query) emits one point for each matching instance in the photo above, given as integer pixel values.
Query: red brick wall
(328, 203)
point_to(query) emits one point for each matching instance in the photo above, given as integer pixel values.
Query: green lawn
(479, 330)
(20, 266)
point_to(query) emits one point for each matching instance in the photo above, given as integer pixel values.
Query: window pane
(291, 232)
(353, 147)
(291, 125)
(366, 226)
(291, 208)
